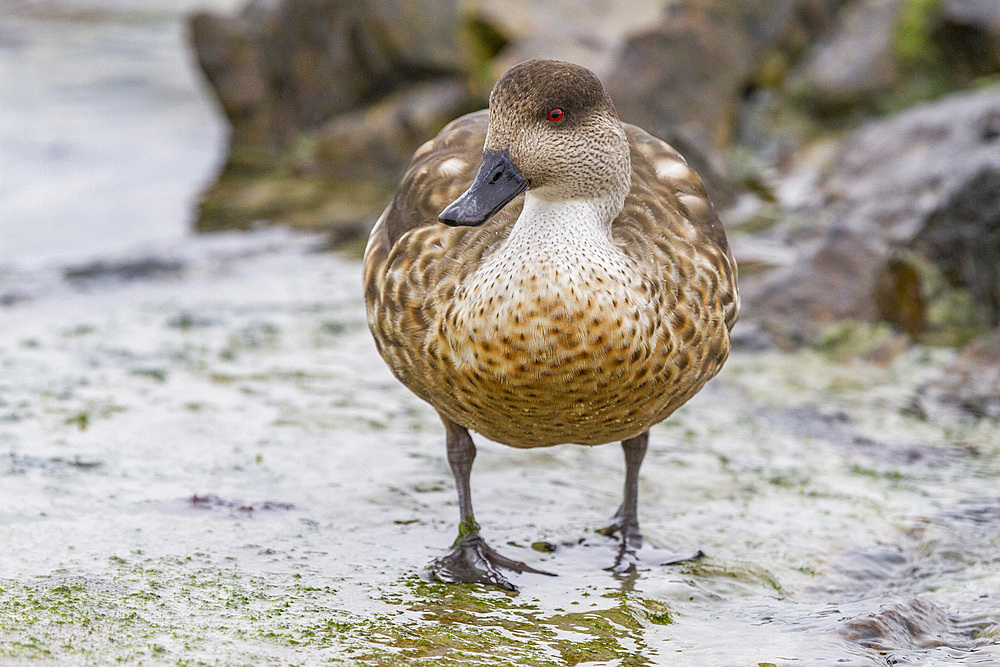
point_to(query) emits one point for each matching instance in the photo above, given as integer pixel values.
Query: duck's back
(602, 376)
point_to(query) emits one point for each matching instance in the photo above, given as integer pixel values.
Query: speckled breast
(587, 353)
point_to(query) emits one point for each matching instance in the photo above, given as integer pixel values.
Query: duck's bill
(496, 183)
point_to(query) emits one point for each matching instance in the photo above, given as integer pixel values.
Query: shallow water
(106, 133)
(203, 459)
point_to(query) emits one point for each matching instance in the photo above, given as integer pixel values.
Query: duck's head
(554, 131)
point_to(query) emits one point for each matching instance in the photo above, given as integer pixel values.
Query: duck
(546, 274)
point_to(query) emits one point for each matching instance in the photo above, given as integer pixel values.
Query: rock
(229, 54)
(970, 384)
(587, 32)
(414, 38)
(968, 34)
(831, 282)
(853, 64)
(961, 237)
(690, 71)
(283, 68)
(327, 100)
(909, 202)
(894, 172)
(375, 140)
(685, 79)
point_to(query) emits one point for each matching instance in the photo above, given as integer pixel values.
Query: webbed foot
(630, 543)
(472, 561)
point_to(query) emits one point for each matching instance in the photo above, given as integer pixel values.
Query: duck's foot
(472, 561)
(630, 543)
(673, 558)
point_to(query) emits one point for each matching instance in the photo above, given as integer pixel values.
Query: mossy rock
(345, 208)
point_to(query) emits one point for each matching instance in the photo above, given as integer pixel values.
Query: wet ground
(203, 460)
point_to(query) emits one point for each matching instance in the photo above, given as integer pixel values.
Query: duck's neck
(557, 265)
(558, 227)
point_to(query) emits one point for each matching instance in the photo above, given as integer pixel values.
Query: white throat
(558, 246)
(557, 227)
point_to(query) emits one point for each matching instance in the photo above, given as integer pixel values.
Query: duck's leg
(470, 560)
(625, 523)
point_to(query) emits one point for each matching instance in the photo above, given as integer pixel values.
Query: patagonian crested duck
(546, 274)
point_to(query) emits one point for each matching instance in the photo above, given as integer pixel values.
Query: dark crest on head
(535, 87)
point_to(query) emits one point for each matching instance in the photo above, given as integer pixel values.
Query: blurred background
(853, 146)
(107, 132)
(203, 460)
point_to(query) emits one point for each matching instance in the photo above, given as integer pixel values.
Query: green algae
(912, 43)
(467, 624)
(743, 572)
(849, 338)
(133, 611)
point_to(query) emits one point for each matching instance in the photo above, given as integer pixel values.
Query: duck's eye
(555, 115)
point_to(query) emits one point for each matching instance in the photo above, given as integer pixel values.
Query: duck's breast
(551, 344)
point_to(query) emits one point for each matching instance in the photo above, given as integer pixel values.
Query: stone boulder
(386, 132)
(853, 63)
(282, 68)
(909, 210)
(587, 32)
(686, 78)
(326, 100)
(796, 304)
(968, 34)
(961, 236)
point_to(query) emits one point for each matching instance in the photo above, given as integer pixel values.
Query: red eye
(555, 115)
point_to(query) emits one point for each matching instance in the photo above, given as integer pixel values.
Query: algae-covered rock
(962, 237)
(326, 99)
(928, 181)
(340, 176)
(910, 202)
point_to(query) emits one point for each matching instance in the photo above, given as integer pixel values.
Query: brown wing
(439, 171)
(669, 222)
(414, 263)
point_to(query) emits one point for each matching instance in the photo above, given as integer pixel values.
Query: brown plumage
(563, 328)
